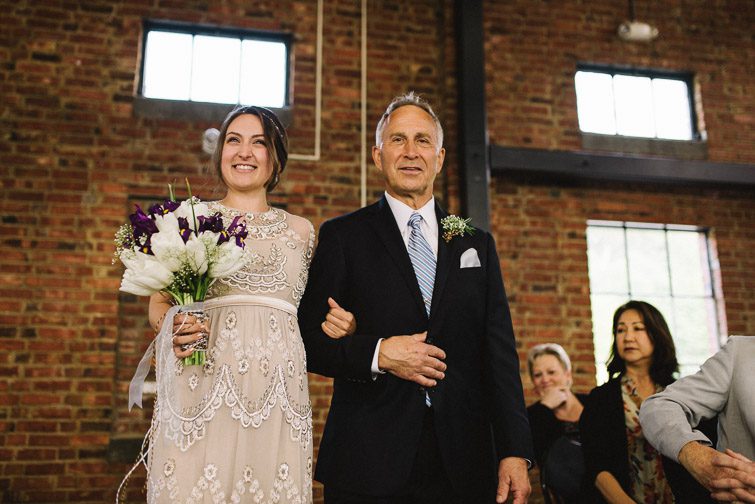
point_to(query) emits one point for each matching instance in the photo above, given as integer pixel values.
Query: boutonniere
(453, 225)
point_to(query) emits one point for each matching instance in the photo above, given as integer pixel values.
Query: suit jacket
(373, 427)
(602, 428)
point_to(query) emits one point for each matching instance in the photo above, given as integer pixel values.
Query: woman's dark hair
(276, 141)
(663, 364)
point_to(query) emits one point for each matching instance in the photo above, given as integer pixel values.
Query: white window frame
(714, 295)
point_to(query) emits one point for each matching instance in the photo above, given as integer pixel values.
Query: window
(637, 103)
(670, 267)
(204, 64)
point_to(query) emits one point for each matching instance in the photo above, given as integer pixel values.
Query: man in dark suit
(427, 399)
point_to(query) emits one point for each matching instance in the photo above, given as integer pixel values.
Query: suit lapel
(444, 263)
(385, 226)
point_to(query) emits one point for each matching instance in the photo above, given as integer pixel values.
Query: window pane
(689, 263)
(595, 102)
(606, 260)
(692, 334)
(634, 106)
(215, 76)
(603, 306)
(648, 264)
(672, 111)
(167, 65)
(263, 73)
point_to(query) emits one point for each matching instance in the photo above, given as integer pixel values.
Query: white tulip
(228, 260)
(196, 255)
(167, 244)
(185, 211)
(144, 274)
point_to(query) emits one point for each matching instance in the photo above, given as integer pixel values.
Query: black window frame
(149, 25)
(681, 75)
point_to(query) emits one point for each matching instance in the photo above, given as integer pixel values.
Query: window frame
(194, 29)
(715, 293)
(685, 76)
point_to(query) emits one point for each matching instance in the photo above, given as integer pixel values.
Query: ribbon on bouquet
(136, 387)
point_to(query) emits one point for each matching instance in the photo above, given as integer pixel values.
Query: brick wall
(74, 157)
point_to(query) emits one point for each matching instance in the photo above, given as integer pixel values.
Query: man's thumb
(420, 336)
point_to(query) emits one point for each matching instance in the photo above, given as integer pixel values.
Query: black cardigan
(546, 428)
(603, 431)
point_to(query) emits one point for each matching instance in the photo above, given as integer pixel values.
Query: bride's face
(245, 163)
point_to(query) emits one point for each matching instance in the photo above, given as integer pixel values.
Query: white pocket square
(469, 259)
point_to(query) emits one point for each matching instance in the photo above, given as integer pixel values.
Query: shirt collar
(402, 212)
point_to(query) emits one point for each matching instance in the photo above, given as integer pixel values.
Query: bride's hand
(338, 322)
(187, 329)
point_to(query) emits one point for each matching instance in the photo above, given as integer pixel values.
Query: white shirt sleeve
(375, 369)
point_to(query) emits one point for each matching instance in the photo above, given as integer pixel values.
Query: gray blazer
(724, 387)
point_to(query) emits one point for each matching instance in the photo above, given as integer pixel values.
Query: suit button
(429, 341)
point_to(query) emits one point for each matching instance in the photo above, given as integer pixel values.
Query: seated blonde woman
(554, 421)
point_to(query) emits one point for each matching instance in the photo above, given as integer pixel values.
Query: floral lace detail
(306, 259)
(188, 426)
(261, 226)
(246, 489)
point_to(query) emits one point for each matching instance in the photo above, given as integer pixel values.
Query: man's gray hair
(553, 349)
(410, 98)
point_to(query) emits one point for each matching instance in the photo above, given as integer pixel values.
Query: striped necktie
(423, 260)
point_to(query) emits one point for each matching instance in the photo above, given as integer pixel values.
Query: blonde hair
(553, 349)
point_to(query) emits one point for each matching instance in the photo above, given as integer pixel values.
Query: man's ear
(441, 157)
(376, 151)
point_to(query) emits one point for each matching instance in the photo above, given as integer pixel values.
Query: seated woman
(554, 421)
(624, 467)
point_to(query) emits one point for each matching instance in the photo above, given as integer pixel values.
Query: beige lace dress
(239, 428)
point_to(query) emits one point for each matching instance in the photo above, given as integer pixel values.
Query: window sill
(676, 149)
(153, 108)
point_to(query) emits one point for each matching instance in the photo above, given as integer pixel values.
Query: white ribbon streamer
(136, 387)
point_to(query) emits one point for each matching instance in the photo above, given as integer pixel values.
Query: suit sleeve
(669, 417)
(511, 427)
(349, 357)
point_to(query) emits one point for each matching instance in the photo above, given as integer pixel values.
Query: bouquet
(179, 249)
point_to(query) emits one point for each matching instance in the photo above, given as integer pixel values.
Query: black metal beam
(474, 169)
(617, 167)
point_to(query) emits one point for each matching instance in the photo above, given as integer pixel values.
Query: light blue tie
(423, 261)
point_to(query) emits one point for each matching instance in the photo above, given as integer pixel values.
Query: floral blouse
(648, 481)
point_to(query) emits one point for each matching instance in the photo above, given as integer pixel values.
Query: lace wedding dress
(239, 428)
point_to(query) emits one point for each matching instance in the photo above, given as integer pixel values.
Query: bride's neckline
(242, 212)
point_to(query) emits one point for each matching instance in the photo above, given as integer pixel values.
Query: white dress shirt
(429, 229)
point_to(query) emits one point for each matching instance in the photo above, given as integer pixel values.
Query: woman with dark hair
(239, 427)
(624, 467)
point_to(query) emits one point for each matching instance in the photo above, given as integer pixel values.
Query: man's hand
(512, 478)
(553, 397)
(698, 460)
(741, 486)
(338, 322)
(410, 358)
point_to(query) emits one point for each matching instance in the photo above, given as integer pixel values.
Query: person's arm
(510, 423)
(610, 489)
(349, 357)
(669, 417)
(698, 459)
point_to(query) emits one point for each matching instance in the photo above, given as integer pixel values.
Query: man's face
(409, 156)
